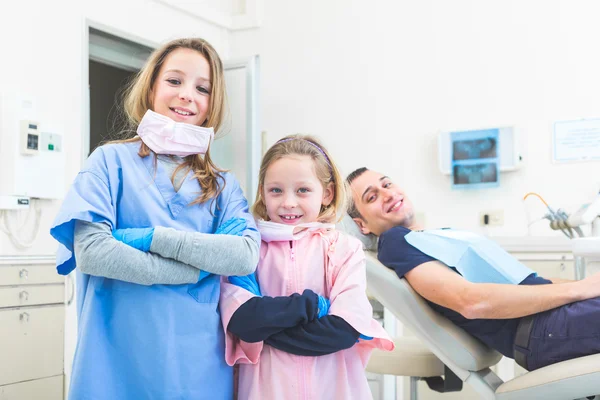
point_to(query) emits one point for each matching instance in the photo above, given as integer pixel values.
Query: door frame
(85, 74)
(253, 133)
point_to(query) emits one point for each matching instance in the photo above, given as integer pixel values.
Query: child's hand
(233, 226)
(247, 282)
(323, 306)
(138, 238)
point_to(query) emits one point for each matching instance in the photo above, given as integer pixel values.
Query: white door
(238, 144)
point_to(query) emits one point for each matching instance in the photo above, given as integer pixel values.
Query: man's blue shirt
(397, 254)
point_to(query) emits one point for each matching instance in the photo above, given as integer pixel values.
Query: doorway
(113, 62)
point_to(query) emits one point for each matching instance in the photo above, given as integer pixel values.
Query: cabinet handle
(24, 273)
(24, 317)
(24, 295)
(562, 266)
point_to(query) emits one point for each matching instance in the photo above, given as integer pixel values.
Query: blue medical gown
(145, 342)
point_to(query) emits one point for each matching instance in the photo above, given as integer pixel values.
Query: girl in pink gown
(302, 326)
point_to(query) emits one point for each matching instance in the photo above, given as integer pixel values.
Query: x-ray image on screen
(475, 159)
(475, 173)
(475, 149)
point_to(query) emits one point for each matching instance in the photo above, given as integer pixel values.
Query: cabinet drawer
(563, 269)
(39, 389)
(28, 275)
(31, 295)
(32, 344)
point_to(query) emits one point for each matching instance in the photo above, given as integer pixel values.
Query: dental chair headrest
(347, 225)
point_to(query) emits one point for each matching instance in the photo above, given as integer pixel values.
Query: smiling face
(292, 192)
(381, 203)
(182, 87)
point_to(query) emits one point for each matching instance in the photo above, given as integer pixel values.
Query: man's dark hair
(352, 210)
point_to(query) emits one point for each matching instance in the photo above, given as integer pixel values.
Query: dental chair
(468, 358)
(413, 359)
(464, 356)
(410, 357)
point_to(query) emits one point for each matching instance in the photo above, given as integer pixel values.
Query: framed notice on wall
(576, 140)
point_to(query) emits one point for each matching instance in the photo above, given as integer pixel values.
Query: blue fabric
(477, 258)
(260, 317)
(396, 253)
(564, 333)
(319, 337)
(247, 282)
(143, 342)
(363, 337)
(138, 238)
(291, 324)
(203, 274)
(323, 306)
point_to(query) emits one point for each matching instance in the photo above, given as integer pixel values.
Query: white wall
(378, 80)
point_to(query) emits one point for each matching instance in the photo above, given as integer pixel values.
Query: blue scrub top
(135, 341)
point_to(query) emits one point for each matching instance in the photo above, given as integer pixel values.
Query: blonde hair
(138, 99)
(325, 170)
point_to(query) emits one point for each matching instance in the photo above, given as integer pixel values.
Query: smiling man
(477, 285)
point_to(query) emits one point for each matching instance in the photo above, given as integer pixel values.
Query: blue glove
(323, 307)
(139, 238)
(247, 282)
(233, 226)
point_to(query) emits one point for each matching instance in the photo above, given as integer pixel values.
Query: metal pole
(414, 381)
(579, 268)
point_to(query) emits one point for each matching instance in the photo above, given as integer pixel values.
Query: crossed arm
(439, 284)
(175, 258)
(291, 324)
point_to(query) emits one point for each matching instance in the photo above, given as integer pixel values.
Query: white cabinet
(549, 265)
(32, 329)
(39, 389)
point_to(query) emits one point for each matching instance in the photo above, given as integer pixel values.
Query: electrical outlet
(492, 218)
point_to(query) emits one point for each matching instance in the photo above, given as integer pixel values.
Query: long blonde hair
(325, 169)
(138, 99)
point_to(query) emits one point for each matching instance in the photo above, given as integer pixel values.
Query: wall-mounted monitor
(456, 146)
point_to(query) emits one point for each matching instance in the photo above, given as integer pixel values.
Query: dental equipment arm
(587, 214)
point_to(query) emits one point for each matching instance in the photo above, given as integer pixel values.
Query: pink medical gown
(332, 265)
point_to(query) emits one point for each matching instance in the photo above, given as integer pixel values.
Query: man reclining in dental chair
(477, 285)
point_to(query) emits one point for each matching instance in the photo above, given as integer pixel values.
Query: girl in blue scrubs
(144, 333)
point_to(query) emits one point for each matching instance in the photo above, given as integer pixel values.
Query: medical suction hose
(558, 219)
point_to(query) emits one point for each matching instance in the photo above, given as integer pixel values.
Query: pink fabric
(332, 265)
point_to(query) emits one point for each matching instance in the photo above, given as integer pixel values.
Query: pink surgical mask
(165, 136)
(276, 232)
